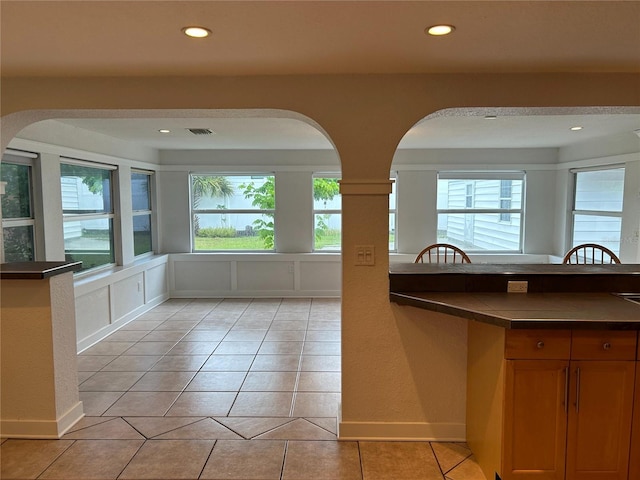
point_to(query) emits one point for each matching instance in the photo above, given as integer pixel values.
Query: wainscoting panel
(255, 275)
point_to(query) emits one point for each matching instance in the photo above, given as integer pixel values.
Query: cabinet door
(535, 419)
(599, 429)
(634, 465)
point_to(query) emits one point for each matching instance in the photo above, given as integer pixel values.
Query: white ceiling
(541, 129)
(449, 130)
(229, 133)
(264, 37)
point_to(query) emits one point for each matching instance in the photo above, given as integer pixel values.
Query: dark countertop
(36, 270)
(559, 296)
(532, 310)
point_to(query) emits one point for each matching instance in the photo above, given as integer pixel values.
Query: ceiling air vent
(200, 131)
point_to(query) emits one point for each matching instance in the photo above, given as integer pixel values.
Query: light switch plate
(365, 255)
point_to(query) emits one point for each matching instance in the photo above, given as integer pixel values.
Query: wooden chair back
(442, 253)
(590, 253)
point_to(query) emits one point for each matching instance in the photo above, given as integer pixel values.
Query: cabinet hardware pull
(606, 346)
(577, 389)
(566, 390)
(540, 344)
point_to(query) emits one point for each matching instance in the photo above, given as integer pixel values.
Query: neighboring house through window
(481, 211)
(506, 192)
(87, 213)
(142, 211)
(597, 207)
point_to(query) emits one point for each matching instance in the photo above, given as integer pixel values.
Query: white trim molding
(42, 429)
(365, 187)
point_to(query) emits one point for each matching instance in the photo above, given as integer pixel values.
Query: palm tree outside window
(232, 212)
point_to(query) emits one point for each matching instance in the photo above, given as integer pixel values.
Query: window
(481, 211)
(141, 205)
(87, 213)
(17, 210)
(468, 199)
(327, 213)
(597, 207)
(392, 213)
(232, 212)
(505, 199)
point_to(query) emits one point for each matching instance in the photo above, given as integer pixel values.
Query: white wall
(593, 151)
(294, 202)
(541, 206)
(174, 224)
(416, 221)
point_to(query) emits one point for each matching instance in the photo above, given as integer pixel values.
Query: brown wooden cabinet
(599, 426)
(634, 457)
(602, 380)
(564, 401)
(535, 420)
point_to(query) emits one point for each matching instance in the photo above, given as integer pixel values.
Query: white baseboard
(42, 428)
(402, 431)
(255, 294)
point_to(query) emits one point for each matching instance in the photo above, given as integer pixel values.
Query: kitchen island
(553, 382)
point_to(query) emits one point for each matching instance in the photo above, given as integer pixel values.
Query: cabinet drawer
(603, 345)
(538, 344)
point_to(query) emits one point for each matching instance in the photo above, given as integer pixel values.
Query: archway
(91, 302)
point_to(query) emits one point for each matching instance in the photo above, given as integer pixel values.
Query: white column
(51, 204)
(294, 206)
(124, 206)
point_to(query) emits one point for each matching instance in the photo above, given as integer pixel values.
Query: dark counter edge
(498, 321)
(36, 270)
(476, 278)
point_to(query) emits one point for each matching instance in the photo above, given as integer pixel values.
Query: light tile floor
(244, 389)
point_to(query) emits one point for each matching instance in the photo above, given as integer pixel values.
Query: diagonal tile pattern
(222, 389)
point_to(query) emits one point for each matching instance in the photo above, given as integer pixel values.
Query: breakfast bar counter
(532, 310)
(556, 297)
(552, 363)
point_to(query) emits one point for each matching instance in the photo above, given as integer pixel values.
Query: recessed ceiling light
(438, 30)
(164, 130)
(196, 32)
(575, 129)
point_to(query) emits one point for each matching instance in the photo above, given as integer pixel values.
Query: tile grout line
(204, 465)
(254, 356)
(284, 459)
(299, 369)
(361, 461)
